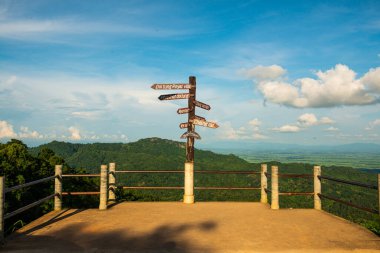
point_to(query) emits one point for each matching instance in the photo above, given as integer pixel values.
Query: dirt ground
(202, 227)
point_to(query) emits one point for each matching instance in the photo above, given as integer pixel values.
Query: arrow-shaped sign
(183, 110)
(199, 117)
(205, 123)
(171, 86)
(174, 96)
(191, 134)
(183, 125)
(202, 105)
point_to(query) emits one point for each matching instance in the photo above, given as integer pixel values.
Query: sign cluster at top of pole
(193, 119)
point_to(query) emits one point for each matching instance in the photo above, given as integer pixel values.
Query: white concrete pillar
(188, 197)
(58, 188)
(274, 179)
(103, 187)
(112, 182)
(317, 188)
(264, 184)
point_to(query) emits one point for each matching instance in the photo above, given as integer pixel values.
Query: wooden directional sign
(171, 86)
(202, 105)
(199, 117)
(174, 96)
(183, 125)
(183, 110)
(204, 123)
(191, 134)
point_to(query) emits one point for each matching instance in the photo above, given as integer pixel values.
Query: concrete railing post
(112, 182)
(103, 187)
(58, 188)
(2, 200)
(274, 179)
(264, 184)
(317, 188)
(188, 197)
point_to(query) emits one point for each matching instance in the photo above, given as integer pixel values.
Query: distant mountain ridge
(148, 153)
(264, 146)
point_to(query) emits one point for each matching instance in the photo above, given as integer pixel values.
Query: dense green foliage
(158, 154)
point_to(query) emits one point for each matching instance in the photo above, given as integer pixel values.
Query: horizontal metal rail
(195, 171)
(81, 175)
(152, 187)
(80, 193)
(226, 172)
(227, 188)
(267, 174)
(295, 175)
(349, 182)
(295, 193)
(149, 171)
(28, 184)
(22, 209)
(374, 211)
(267, 190)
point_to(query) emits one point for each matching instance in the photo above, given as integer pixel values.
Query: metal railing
(182, 187)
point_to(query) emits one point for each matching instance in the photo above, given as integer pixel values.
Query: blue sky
(305, 72)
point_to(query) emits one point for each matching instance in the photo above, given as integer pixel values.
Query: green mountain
(160, 154)
(150, 153)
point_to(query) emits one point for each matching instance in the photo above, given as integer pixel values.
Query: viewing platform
(201, 227)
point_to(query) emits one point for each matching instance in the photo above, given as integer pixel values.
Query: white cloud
(26, 133)
(6, 130)
(309, 119)
(287, 129)
(326, 121)
(250, 131)
(373, 124)
(335, 87)
(372, 79)
(75, 134)
(264, 72)
(255, 122)
(332, 129)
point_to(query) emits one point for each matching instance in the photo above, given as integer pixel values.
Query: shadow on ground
(78, 238)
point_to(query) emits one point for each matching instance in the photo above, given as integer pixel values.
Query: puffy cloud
(6, 130)
(250, 131)
(335, 87)
(303, 122)
(26, 133)
(264, 72)
(309, 119)
(255, 122)
(372, 79)
(332, 129)
(75, 134)
(373, 124)
(287, 129)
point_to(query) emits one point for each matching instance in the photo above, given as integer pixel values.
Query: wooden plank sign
(191, 134)
(174, 96)
(199, 117)
(202, 105)
(171, 86)
(205, 123)
(183, 125)
(183, 110)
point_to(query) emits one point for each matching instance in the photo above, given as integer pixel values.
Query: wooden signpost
(192, 120)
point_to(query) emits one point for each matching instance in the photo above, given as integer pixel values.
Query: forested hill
(149, 153)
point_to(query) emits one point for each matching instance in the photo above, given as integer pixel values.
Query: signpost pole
(188, 197)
